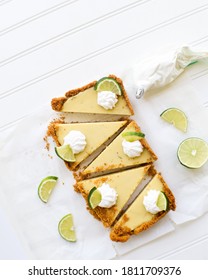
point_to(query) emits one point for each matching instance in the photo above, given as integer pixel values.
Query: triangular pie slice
(136, 219)
(96, 134)
(113, 157)
(84, 100)
(124, 183)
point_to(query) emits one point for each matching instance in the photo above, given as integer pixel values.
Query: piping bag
(161, 69)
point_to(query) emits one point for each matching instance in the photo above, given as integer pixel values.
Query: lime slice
(94, 198)
(193, 152)
(66, 228)
(108, 84)
(46, 187)
(65, 152)
(175, 117)
(132, 135)
(162, 202)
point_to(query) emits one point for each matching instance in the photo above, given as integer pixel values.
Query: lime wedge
(162, 202)
(132, 135)
(46, 187)
(65, 152)
(175, 117)
(193, 152)
(108, 84)
(66, 228)
(94, 197)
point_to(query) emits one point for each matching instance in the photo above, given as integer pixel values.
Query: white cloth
(162, 68)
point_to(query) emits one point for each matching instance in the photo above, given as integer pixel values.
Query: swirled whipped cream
(107, 99)
(150, 201)
(108, 194)
(76, 140)
(132, 149)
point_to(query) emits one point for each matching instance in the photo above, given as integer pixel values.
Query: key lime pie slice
(82, 139)
(122, 153)
(115, 190)
(150, 206)
(106, 96)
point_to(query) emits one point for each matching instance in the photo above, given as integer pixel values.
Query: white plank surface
(48, 47)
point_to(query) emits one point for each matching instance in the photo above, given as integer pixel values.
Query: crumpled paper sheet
(189, 186)
(24, 162)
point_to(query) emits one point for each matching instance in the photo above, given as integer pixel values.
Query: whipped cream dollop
(76, 140)
(108, 194)
(150, 201)
(107, 99)
(132, 149)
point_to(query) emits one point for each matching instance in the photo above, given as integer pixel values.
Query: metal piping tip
(139, 93)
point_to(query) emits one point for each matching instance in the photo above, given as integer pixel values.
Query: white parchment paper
(24, 161)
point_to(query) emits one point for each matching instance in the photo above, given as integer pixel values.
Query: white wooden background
(50, 46)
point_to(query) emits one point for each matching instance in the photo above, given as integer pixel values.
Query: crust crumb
(74, 92)
(51, 131)
(47, 144)
(57, 103)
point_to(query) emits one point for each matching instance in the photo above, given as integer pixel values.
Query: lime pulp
(132, 135)
(176, 117)
(66, 228)
(162, 202)
(65, 152)
(193, 152)
(108, 84)
(46, 187)
(94, 197)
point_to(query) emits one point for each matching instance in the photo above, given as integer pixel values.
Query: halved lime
(94, 197)
(46, 187)
(66, 228)
(65, 152)
(162, 201)
(176, 117)
(193, 152)
(132, 135)
(108, 84)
